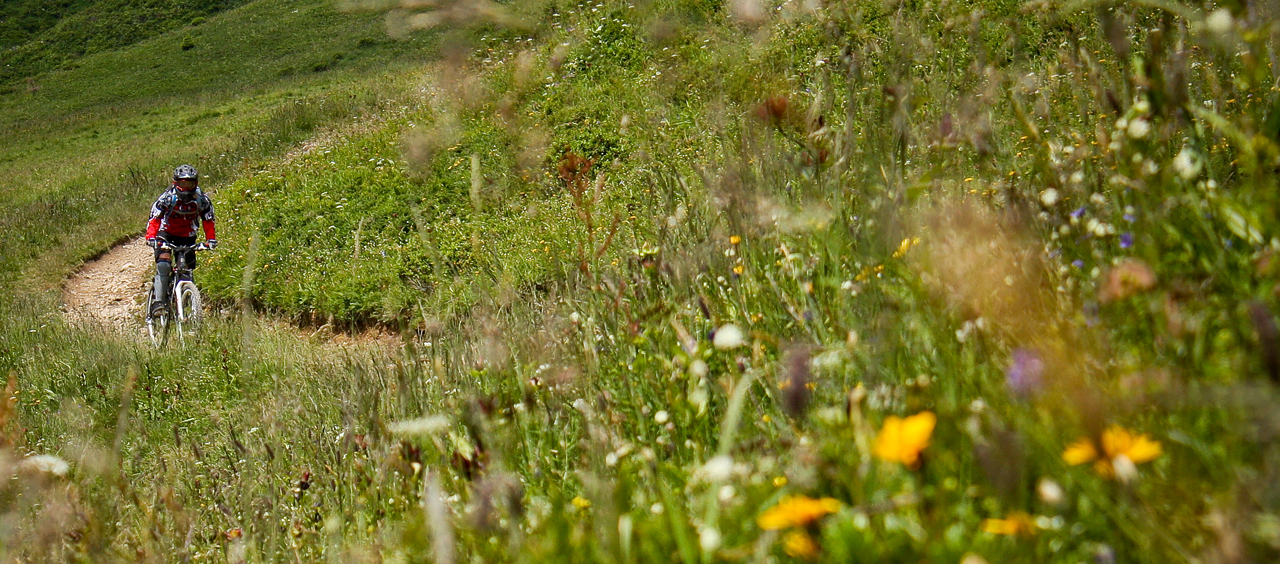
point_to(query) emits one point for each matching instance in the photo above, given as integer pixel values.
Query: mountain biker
(174, 218)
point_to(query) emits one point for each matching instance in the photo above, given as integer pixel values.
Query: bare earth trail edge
(110, 289)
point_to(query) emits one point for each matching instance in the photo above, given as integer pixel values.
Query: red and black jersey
(178, 214)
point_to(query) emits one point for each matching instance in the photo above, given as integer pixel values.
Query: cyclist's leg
(164, 269)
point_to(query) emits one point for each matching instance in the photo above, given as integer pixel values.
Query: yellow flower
(1018, 523)
(798, 544)
(905, 246)
(734, 240)
(739, 269)
(796, 511)
(1080, 452)
(581, 502)
(1116, 442)
(901, 440)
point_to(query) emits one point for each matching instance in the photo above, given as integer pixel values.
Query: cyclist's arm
(153, 225)
(206, 217)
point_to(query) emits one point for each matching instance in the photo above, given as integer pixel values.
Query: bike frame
(180, 297)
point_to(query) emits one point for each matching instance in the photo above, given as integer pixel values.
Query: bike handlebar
(180, 248)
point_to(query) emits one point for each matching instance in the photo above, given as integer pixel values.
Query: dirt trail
(110, 290)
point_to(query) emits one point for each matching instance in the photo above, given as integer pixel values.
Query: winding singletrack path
(110, 289)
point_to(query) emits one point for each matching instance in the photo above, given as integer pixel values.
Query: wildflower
(798, 544)
(1050, 492)
(728, 336)
(709, 539)
(1018, 523)
(1128, 277)
(734, 240)
(718, 469)
(1219, 22)
(698, 368)
(901, 440)
(1049, 197)
(1024, 373)
(796, 511)
(581, 502)
(1126, 240)
(1078, 213)
(1123, 450)
(905, 246)
(661, 417)
(1187, 164)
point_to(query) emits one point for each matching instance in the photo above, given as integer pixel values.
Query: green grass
(899, 209)
(43, 36)
(90, 157)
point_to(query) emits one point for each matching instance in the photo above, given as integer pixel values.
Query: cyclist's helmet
(186, 173)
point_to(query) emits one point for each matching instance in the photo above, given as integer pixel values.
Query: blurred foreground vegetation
(698, 281)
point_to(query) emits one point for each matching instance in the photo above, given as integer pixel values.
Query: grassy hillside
(39, 36)
(678, 281)
(85, 160)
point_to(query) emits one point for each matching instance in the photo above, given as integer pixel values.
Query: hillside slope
(81, 162)
(40, 36)
(681, 280)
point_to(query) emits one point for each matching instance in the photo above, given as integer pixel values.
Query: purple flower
(1126, 240)
(1077, 263)
(1128, 217)
(1025, 372)
(1078, 213)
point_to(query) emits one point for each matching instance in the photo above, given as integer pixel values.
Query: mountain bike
(183, 313)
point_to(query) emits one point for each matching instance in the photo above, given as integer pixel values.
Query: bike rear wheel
(189, 308)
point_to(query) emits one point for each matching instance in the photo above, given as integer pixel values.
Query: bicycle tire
(189, 308)
(157, 326)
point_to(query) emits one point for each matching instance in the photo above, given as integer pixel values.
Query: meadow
(676, 280)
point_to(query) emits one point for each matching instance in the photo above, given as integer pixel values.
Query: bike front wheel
(190, 311)
(157, 325)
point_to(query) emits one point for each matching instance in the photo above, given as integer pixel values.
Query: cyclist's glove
(211, 244)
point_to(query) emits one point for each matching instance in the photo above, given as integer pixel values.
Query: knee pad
(164, 268)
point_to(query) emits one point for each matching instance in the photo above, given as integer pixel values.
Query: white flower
(698, 368)
(1142, 106)
(1219, 22)
(726, 493)
(47, 464)
(1049, 197)
(728, 336)
(426, 425)
(718, 469)
(660, 417)
(1187, 164)
(1139, 128)
(1125, 469)
(709, 539)
(1050, 492)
